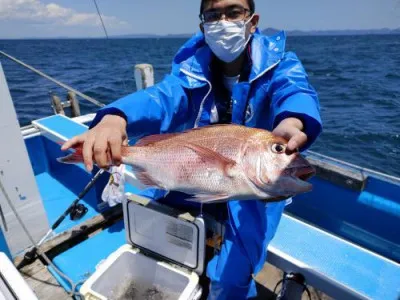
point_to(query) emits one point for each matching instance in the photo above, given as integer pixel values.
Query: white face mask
(227, 39)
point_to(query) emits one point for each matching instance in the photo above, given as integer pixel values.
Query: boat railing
(364, 172)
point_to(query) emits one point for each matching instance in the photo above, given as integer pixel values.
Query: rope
(43, 255)
(284, 282)
(90, 99)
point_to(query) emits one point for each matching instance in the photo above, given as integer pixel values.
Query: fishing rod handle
(90, 184)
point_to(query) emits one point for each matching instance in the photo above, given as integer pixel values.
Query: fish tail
(73, 158)
(77, 156)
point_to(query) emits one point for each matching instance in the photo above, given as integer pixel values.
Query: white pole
(144, 76)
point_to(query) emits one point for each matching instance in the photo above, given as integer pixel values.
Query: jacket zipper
(210, 85)
(265, 71)
(196, 124)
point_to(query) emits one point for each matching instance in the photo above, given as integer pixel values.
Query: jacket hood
(194, 57)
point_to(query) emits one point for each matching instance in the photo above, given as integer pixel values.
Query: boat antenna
(106, 33)
(101, 19)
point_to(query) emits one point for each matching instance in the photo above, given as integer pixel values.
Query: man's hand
(102, 142)
(291, 129)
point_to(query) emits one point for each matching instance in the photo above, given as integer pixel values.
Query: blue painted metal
(3, 245)
(37, 154)
(360, 271)
(382, 196)
(63, 126)
(367, 218)
(379, 203)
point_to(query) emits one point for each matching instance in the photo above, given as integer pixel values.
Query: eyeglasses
(231, 13)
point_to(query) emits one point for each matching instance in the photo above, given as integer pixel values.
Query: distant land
(267, 31)
(383, 31)
(271, 31)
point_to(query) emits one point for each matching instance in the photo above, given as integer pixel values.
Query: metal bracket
(71, 102)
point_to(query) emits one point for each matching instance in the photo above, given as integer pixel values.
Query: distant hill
(267, 31)
(384, 31)
(135, 36)
(272, 31)
(147, 36)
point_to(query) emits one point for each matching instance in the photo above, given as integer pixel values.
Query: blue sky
(77, 18)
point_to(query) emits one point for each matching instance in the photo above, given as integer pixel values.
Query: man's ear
(201, 27)
(254, 23)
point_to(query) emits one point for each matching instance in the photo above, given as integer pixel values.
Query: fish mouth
(301, 175)
(304, 173)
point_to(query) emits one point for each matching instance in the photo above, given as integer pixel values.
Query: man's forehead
(215, 4)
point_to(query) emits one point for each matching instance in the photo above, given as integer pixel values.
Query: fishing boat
(341, 239)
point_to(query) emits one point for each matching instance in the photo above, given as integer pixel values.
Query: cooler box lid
(165, 233)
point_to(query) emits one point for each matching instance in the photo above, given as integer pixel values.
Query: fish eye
(278, 148)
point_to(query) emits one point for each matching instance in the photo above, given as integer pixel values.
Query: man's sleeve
(292, 96)
(158, 109)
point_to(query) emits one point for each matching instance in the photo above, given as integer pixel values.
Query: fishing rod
(67, 87)
(29, 255)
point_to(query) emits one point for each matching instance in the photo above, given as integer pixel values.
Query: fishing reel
(78, 211)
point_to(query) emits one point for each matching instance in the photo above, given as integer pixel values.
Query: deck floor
(42, 282)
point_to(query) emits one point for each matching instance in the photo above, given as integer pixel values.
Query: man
(228, 72)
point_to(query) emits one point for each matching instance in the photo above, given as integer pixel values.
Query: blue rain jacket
(277, 88)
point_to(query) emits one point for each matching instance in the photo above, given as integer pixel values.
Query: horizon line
(292, 32)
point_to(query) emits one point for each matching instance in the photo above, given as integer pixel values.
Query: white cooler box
(163, 259)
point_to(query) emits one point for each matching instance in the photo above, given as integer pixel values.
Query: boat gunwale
(331, 160)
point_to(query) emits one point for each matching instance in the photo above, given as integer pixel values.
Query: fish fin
(71, 159)
(208, 198)
(213, 156)
(144, 177)
(151, 139)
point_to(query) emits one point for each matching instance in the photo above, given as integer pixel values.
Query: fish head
(274, 170)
